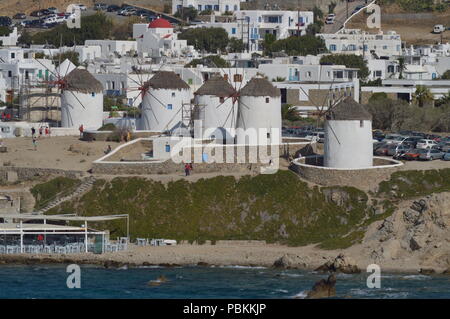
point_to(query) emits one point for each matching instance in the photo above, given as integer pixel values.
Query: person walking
(40, 131)
(35, 143)
(33, 131)
(46, 131)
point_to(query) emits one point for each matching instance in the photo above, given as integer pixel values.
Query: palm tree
(289, 113)
(401, 66)
(444, 100)
(422, 95)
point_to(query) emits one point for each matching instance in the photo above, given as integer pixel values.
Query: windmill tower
(348, 136)
(163, 97)
(259, 109)
(216, 108)
(81, 100)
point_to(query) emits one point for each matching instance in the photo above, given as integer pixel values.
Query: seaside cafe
(31, 233)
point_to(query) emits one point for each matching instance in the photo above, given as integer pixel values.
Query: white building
(18, 67)
(355, 41)
(81, 101)
(114, 48)
(348, 136)
(251, 26)
(218, 6)
(162, 106)
(216, 109)
(259, 115)
(9, 40)
(158, 39)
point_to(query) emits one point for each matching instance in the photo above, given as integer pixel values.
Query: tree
(4, 31)
(401, 66)
(350, 61)
(446, 75)
(422, 96)
(124, 31)
(444, 100)
(304, 45)
(72, 56)
(186, 13)
(236, 45)
(25, 38)
(214, 61)
(290, 113)
(95, 27)
(206, 39)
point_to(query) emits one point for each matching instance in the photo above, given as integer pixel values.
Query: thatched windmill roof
(259, 86)
(216, 86)
(80, 80)
(349, 110)
(166, 80)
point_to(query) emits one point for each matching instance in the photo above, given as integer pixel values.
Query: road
(341, 15)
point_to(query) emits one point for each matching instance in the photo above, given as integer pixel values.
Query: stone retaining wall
(359, 178)
(13, 174)
(244, 165)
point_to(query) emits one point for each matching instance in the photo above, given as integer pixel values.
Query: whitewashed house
(113, 48)
(217, 6)
(355, 41)
(9, 40)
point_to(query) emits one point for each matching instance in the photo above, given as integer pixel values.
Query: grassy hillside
(276, 208)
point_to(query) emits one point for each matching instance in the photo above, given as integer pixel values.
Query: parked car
(129, 12)
(124, 10)
(382, 150)
(316, 137)
(431, 154)
(20, 16)
(5, 21)
(82, 7)
(45, 12)
(397, 149)
(446, 156)
(424, 143)
(100, 6)
(438, 28)
(413, 154)
(113, 8)
(330, 20)
(412, 140)
(53, 10)
(378, 135)
(444, 147)
(37, 13)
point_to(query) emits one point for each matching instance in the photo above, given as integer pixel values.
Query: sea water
(49, 281)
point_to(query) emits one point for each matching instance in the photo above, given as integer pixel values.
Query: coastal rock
(323, 288)
(341, 264)
(427, 271)
(290, 261)
(446, 272)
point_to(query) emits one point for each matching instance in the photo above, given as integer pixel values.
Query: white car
(394, 139)
(424, 144)
(330, 20)
(82, 7)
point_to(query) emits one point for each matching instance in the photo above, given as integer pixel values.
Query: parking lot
(37, 21)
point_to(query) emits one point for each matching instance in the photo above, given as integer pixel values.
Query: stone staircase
(83, 188)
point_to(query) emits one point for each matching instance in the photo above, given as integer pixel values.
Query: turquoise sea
(49, 281)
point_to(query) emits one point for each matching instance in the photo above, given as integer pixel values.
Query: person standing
(35, 143)
(46, 131)
(81, 129)
(33, 131)
(40, 131)
(187, 169)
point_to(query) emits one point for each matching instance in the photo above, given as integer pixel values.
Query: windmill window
(267, 100)
(169, 106)
(167, 148)
(361, 123)
(173, 94)
(268, 135)
(238, 78)
(13, 55)
(9, 74)
(93, 94)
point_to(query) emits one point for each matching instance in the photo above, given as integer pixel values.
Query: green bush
(43, 193)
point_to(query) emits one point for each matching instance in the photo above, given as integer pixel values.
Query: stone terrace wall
(250, 165)
(13, 174)
(359, 178)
